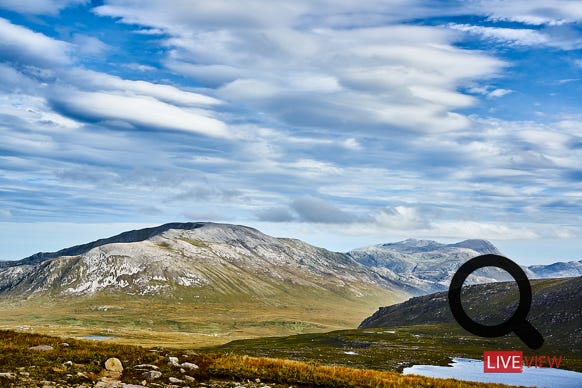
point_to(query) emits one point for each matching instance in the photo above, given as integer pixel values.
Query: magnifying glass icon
(517, 323)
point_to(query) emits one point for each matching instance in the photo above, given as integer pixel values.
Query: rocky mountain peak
(481, 246)
(215, 231)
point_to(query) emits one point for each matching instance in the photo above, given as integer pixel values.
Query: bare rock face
(113, 365)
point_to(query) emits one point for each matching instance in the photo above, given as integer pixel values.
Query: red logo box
(502, 361)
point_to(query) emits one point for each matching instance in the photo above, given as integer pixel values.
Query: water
(96, 337)
(472, 370)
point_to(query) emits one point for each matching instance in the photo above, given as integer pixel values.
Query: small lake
(472, 370)
(96, 337)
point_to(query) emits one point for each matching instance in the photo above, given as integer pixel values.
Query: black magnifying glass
(517, 323)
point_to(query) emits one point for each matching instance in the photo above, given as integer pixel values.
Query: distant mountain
(428, 266)
(159, 260)
(218, 258)
(556, 309)
(561, 270)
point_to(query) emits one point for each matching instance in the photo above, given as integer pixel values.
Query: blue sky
(340, 123)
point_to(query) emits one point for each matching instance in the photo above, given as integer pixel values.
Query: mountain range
(428, 266)
(233, 259)
(214, 283)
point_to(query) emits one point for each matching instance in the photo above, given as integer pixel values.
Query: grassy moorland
(189, 319)
(388, 349)
(81, 364)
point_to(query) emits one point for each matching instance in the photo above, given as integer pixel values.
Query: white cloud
(511, 36)
(167, 93)
(141, 111)
(36, 7)
(269, 60)
(534, 12)
(496, 93)
(28, 47)
(89, 45)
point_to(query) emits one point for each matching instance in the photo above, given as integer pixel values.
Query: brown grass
(297, 372)
(88, 358)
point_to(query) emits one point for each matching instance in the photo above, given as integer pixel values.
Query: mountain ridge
(556, 309)
(135, 235)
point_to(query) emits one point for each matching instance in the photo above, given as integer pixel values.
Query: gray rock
(189, 365)
(173, 361)
(146, 367)
(7, 375)
(113, 364)
(175, 380)
(152, 374)
(41, 348)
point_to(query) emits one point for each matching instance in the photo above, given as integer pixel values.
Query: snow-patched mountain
(218, 258)
(429, 266)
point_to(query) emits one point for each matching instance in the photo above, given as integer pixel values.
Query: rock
(109, 384)
(189, 378)
(68, 364)
(175, 380)
(65, 345)
(173, 361)
(146, 367)
(113, 364)
(152, 374)
(7, 375)
(41, 347)
(189, 365)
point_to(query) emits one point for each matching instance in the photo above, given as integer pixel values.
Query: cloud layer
(382, 118)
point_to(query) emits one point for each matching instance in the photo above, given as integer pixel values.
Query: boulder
(113, 364)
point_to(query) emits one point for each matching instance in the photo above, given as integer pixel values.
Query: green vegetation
(196, 243)
(190, 316)
(389, 349)
(87, 359)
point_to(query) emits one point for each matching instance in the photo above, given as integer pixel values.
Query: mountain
(562, 270)
(556, 310)
(229, 259)
(428, 266)
(215, 282)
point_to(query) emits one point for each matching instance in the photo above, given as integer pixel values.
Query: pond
(96, 337)
(472, 370)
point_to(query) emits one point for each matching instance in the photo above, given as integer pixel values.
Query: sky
(342, 123)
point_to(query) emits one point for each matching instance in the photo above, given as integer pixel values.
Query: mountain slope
(429, 266)
(556, 309)
(215, 282)
(230, 259)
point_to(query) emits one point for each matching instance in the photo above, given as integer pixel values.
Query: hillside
(422, 330)
(215, 282)
(556, 310)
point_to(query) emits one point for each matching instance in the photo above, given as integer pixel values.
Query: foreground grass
(88, 357)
